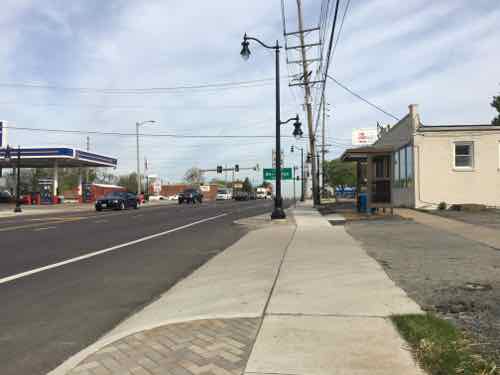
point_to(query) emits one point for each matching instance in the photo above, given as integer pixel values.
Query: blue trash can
(362, 202)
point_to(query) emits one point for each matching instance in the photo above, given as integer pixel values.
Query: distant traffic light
(309, 157)
(291, 149)
(237, 168)
(219, 169)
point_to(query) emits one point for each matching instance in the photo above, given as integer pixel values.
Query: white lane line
(43, 228)
(100, 252)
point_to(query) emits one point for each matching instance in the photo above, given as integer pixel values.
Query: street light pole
(278, 212)
(18, 184)
(139, 180)
(138, 177)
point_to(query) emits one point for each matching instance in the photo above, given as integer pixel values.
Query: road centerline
(107, 250)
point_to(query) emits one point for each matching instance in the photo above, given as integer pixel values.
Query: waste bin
(362, 202)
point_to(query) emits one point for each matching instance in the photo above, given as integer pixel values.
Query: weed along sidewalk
(300, 297)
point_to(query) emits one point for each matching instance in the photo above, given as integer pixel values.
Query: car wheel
(98, 209)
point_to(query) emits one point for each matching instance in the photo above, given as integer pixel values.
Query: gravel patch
(457, 278)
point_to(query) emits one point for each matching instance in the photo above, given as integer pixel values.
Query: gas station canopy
(48, 157)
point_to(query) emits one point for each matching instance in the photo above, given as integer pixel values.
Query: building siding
(437, 180)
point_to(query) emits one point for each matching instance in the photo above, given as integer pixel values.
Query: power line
(363, 99)
(127, 107)
(327, 66)
(221, 85)
(341, 27)
(125, 134)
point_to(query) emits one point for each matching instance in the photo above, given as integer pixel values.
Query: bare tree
(194, 176)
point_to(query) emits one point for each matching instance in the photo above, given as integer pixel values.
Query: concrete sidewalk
(485, 235)
(290, 298)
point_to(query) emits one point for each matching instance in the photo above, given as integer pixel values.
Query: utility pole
(302, 176)
(307, 99)
(323, 147)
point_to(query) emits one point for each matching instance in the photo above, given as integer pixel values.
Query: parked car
(6, 197)
(223, 195)
(173, 197)
(190, 196)
(117, 200)
(240, 195)
(262, 193)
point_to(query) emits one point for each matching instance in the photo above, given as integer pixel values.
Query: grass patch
(439, 347)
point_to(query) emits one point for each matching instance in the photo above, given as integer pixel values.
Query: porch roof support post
(358, 183)
(369, 182)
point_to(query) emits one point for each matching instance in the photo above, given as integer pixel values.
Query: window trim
(472, 154)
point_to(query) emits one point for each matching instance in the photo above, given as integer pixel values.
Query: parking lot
(456, 278)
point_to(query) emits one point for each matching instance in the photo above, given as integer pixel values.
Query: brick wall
(168, 190)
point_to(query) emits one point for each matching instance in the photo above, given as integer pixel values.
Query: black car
(6, 197)
(117, 200)
(190, 196)
(241, 195)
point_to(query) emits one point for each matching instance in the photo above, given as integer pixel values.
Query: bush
(442, 206)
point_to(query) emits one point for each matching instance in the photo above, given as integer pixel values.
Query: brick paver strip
(201, 347)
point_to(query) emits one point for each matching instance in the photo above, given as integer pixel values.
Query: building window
(396, 168)
(409, 165)
(464, 155)
(402, 166)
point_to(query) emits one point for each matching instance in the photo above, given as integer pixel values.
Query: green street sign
(270, 174)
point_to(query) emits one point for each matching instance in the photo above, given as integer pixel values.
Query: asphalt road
(52, 313)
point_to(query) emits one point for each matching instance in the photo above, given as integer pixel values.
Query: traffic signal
(297, 130)
(309, 157)
(219, 169)
(237, 168)
(291, 149)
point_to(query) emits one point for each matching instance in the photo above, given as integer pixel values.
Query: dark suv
(190, 196)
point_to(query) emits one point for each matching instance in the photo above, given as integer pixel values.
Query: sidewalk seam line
(270, 295)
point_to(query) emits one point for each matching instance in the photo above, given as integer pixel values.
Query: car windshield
(113, 195)
(222, 191)
(189, 191)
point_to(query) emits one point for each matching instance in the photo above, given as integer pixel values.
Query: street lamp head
(245, 50)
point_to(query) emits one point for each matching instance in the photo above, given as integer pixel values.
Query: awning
(46, 157)
(361, 153)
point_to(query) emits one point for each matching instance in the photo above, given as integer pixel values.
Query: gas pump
(46, 194)
(87, 192)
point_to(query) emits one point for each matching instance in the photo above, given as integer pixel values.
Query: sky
(87, 65)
